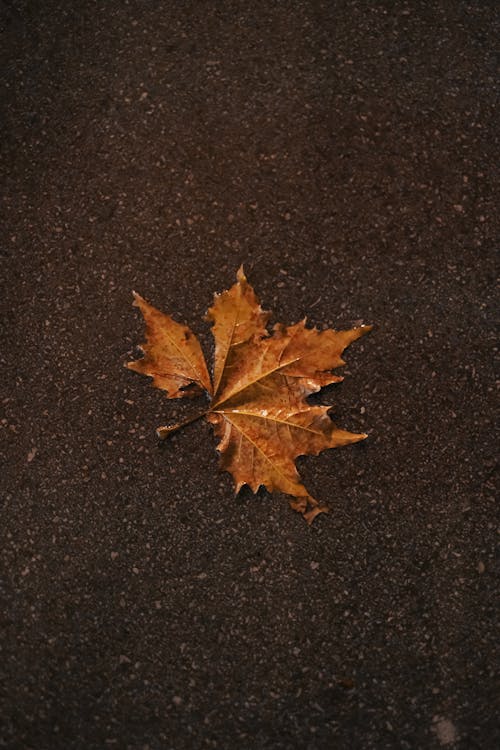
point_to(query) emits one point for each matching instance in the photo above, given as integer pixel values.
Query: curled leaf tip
(311, 515)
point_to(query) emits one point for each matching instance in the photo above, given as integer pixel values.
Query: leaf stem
(165, 431)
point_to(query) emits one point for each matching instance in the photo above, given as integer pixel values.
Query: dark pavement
(346, 153)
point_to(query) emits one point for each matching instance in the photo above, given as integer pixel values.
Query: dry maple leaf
(261, 381)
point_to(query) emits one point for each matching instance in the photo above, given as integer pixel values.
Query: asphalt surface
(346, 153)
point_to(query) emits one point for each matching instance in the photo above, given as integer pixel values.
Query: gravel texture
(345, 152)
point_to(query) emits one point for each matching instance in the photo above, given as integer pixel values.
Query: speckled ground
(345, 152)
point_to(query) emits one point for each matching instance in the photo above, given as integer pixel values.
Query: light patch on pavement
(445, 731)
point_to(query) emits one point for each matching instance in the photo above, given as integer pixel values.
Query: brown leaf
(258, 409)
